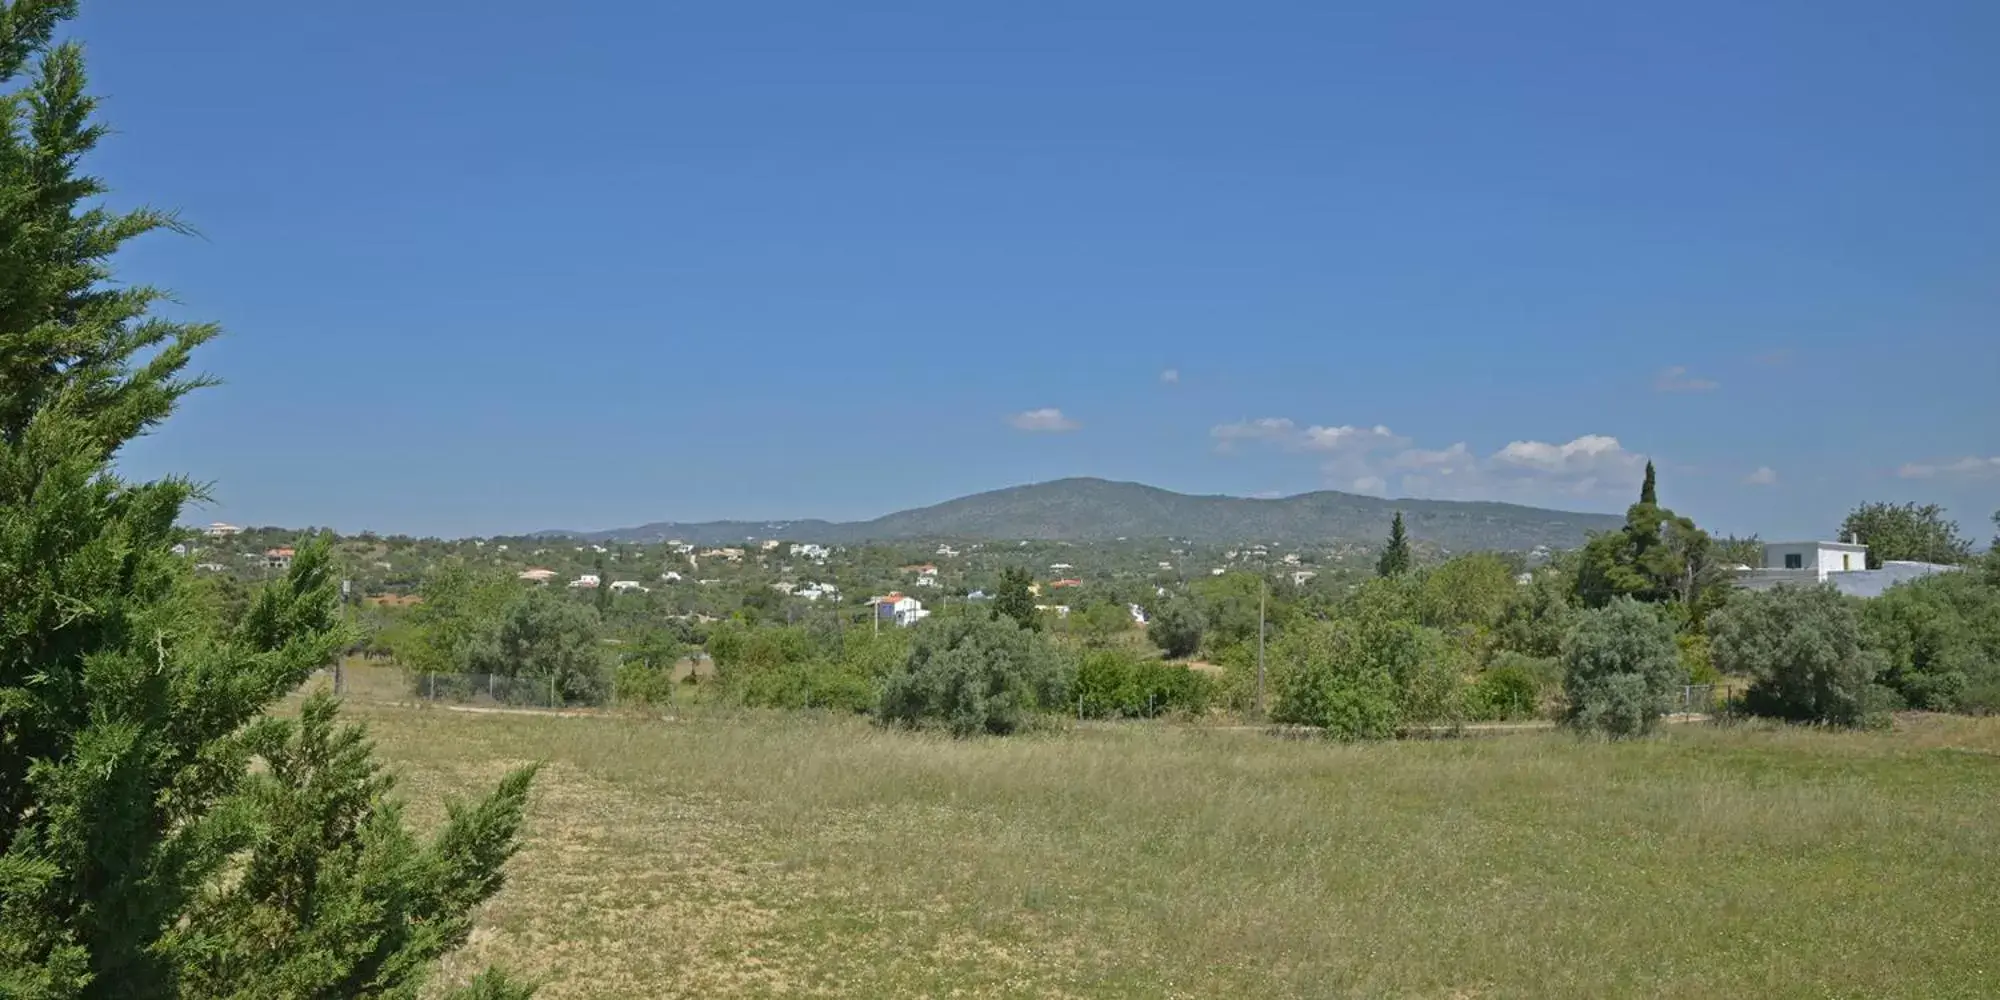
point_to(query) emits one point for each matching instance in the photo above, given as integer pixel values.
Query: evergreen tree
(160, 835)
(1013, 599)
(1649, 489)
(1396, 555)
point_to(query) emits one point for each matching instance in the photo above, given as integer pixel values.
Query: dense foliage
(1906, 532)
(1802, 647)
(160, 835)
(1177, 628)
(1620, 669)
(1115, 684)
(970, 675)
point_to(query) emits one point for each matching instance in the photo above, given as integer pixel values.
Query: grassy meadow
(773, 855)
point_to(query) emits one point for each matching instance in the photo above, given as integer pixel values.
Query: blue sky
(505, 266)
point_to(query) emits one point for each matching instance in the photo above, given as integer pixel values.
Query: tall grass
(782, 855)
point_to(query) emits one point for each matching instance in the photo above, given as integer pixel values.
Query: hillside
(1097, 509)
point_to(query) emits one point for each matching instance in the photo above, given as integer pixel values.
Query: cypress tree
(161, 835)
(1648, 490)
(1396, 555)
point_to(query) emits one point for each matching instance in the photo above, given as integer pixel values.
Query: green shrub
(1939, 638)
(1697, 661)
(1114, 683)
(1620, 669)
(640, 683)
(1177, 628)
(807, 684)
(1335, 680)
(1802, 648)
(1503, 693)
(1103, 683)
(972, 676)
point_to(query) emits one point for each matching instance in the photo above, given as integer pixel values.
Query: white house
(784, 588)
(536, 575)
(670, 576)
(808, 550)
(588, 581)
(1843, 565)
(900, 609)
(927, 580)
(621, 586)
(1138, 614)
(1820, 557)
(221, 530)
(279, 558)
(1300, 576)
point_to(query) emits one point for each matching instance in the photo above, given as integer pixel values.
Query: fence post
(552, 692)
(431, 680)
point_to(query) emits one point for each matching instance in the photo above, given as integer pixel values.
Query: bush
(1333, 679)
(546, 638)
(1620, 669)
(970, 676)
(640, 683)
(1939, 638)
(808, 684)
(1802, 648)
(1503, 693)
(1177, 628)
(1697, 662)
(1117, 684)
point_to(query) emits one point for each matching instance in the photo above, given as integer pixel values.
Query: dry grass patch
(785, 856)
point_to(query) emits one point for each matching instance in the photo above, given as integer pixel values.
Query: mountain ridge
(1091, 509)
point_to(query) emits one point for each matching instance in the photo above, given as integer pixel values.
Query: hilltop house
(808, 550)
(221, 530)
(1844, 565)
(536, 575)
(623, 586)
(279, 558)
(670, 576)
(895, 607)
(1065, 582)
(588, 581)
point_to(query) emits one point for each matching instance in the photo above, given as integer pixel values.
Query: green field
(769, 855)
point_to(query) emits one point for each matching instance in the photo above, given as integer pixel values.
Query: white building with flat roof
(1819, 557)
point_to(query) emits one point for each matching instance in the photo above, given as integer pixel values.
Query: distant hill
(1098, 509)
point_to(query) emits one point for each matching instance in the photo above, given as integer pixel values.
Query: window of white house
(1793, 560)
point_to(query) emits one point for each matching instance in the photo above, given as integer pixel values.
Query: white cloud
(1171, 376)
(1048, 419)
(1589, 464)
(1764, 476)
(1344, 440)
(1350, 439)
(1456, 456)
(1369, 459)
(1678, 379)
(1969, 467)
(1226, 436)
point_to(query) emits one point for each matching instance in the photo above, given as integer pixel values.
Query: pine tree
(1014, 600)
(160, 835)
(1648, 490)
(1396, 555)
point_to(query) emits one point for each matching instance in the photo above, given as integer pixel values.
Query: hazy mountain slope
(1095, 509)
